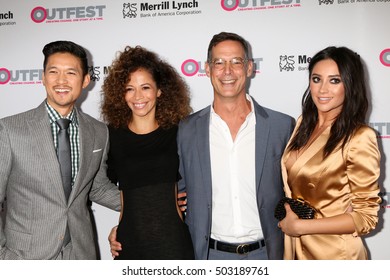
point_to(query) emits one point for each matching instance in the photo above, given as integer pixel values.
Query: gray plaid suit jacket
(30, 181)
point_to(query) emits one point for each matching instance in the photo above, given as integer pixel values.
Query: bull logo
(286, 63)
(129, 10)
(94, 72)
(326, 2)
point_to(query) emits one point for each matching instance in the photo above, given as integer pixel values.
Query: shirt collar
(250, 115)
(54, 115)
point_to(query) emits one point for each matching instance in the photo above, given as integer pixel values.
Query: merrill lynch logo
(326, 2)
(286, 63)
(129, 10)
(94, 73)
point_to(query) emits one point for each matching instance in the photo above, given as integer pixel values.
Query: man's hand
(115, 246)
(182, 201)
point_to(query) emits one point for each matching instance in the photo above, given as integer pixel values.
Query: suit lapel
(87, 136)
(203, 146)
(42, 143)
(262, 136)
(285, 156)
(313, 150)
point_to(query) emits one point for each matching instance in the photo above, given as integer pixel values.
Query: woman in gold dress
(332, 161)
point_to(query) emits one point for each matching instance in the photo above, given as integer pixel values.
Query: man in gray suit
(40, 222)
(230, 162)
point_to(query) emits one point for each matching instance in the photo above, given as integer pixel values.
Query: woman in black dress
(144, 98)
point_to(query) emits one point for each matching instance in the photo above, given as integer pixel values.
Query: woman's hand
(115, 246)
(290, 224)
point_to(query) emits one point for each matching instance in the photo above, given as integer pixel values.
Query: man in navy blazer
(230, 162)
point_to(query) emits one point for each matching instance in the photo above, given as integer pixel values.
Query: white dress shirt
(235, 215)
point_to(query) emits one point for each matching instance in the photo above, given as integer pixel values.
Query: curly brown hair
(173, 104)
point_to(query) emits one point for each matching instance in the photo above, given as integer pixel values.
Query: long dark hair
(174, 102)
(355, 104)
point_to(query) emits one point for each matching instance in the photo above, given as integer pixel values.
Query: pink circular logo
(5, 76)
(38, 14)
(190, 67)
(384, 57)
(229, 5)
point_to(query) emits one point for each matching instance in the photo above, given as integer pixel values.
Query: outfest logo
(19, 77)
(34, 76)
(384, 57)
(250, 5)
(382, 128)
(191, 67)
(67, 14)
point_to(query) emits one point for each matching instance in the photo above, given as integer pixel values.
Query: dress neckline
(145, 134)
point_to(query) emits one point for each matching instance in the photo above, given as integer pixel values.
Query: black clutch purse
(300, 207)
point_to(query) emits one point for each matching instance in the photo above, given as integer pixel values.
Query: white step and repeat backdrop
(284, 34)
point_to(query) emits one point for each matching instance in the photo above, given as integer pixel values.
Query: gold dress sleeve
(363, 169)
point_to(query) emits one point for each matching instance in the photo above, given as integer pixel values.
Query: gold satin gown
(345, 178)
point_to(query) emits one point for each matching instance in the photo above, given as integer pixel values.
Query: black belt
(236, 248)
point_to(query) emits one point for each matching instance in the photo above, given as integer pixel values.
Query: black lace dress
(146, 169)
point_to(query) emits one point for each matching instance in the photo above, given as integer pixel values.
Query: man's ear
(249, 71)
(87, 80)
(43, 78)
(207, 69)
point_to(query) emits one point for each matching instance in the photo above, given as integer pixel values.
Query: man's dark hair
(66, 47)
(227, 36)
